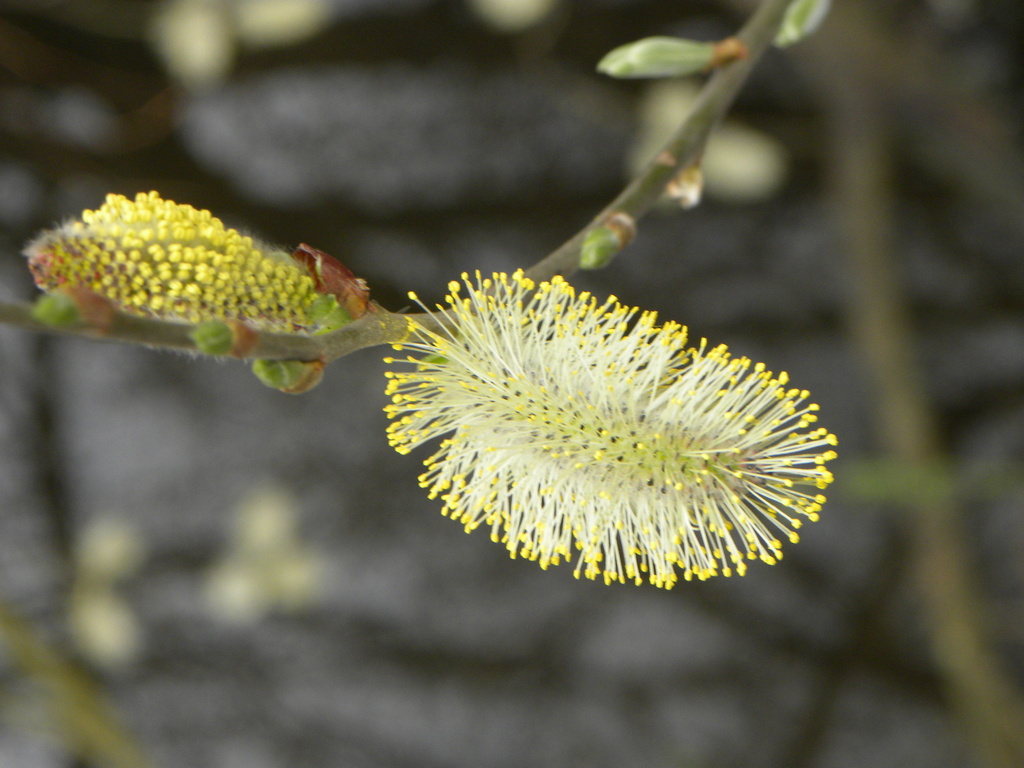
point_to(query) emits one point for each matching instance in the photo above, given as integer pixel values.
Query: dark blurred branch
(980, 693)
(86, 722)
(954, 131)
(124, 19)
(44, 441)
(36, 62)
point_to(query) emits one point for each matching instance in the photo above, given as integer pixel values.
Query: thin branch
(684, 147)
(382, 327)
(373, 329)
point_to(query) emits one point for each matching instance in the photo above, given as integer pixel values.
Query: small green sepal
(56, 310)
(599, 247)
(328, 313)
(802, 18)
(658, 57)
(213, 337)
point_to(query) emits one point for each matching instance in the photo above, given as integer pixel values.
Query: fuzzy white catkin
(582, 430)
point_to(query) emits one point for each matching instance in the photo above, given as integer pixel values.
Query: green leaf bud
(802, 18)
(277, 374)
(290, 376)
(328, 313)
(599, 247)
(658, 57)
(57, 310)
(213, 337)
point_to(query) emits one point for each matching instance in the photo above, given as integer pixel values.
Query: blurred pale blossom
(266, 566)
(198, 39)
(740, 164)
(108, 551)
(512, 15)
(267, 23)
(104, 626)
(194, 39)
(743, 164)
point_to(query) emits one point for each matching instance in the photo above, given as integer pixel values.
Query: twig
(374, 328)
(383, 327)
(685, 145)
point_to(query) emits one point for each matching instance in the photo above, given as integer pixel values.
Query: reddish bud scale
(334, 278)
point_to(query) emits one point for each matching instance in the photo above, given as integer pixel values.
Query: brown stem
(986, 703)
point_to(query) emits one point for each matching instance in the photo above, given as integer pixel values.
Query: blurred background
(198, 571)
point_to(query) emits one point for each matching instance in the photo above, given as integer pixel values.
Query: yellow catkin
(156, 258)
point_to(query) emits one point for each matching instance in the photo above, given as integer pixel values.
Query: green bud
(278, 374)
(801, 19)
(57, 310)
(326, 312)
(291, 376)
(599, 247)
(212, 337)
(658, 57)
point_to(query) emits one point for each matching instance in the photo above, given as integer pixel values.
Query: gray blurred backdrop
(254, 580)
